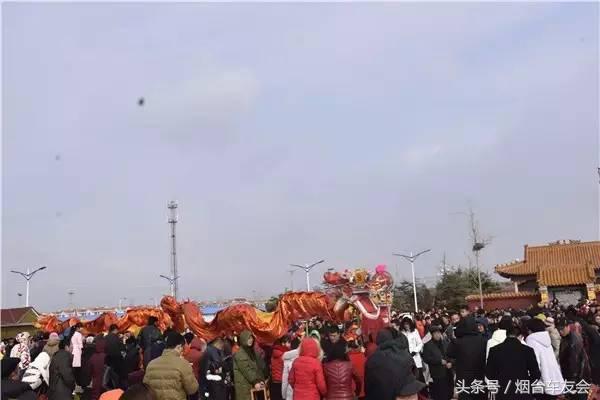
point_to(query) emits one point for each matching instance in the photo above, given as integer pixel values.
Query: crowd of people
(538, 354)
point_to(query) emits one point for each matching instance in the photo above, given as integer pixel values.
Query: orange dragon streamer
(368, 293)
(267, 327)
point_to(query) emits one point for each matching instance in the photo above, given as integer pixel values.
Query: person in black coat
(114, 353)
(212, 374)
(389, 372)
(510, 362)
(468, 353)
(573, 360)
(333, 338)
(149, 336)
(440, 369)
(592, 336)
(132, 356)
(62, 379)
(12, 387)
(36, 347)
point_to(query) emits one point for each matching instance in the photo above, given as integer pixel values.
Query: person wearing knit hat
(51, 346)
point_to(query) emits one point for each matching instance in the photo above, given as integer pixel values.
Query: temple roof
(566, 275)
(558, 263)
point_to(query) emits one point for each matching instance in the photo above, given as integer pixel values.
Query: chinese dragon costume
(352, 293)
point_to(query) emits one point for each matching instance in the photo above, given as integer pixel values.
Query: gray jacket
(62, 380)
(554, 339)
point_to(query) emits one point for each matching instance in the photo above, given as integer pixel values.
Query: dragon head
(369, 293)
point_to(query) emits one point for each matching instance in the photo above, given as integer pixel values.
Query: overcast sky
(288, 133)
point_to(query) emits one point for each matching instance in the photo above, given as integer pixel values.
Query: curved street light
(411, 258)
(172, 282)
(306, 268)
(28, 275)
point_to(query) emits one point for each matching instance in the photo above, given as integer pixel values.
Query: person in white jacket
(77, 345)
(415, 344)
(499, 334)
(288, 359)
(539, 340)
(38, 371)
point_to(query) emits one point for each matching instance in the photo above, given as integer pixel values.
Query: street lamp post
(172, 283)
(28, 275)
(306, 268)
(172, 206)
(411, 258)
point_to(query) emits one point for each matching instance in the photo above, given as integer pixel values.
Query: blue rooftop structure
(212, 310)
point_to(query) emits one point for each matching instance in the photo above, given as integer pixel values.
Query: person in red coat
(96, 368)
(282, 345)
(306, 376)
(342, 381)
(358, 360)
(194, 354)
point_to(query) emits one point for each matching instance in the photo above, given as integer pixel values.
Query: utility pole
(444, 266)
(411, 258)
(478, 245)
(20, 296)
(28, 275)
(172, 206)
(306, 268)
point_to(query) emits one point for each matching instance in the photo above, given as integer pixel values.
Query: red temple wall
(492, 304)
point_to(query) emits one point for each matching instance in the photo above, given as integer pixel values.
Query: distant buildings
(209, 309)
(17, 320)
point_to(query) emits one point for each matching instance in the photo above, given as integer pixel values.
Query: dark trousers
(442, 388)
(216, 391)
(276, 391)
(78, 375)
(117, 363)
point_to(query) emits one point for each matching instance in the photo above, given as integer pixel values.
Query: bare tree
(477, 239)
(478, 243)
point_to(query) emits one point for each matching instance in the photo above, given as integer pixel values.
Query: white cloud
(205, 109)
(421, 154)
